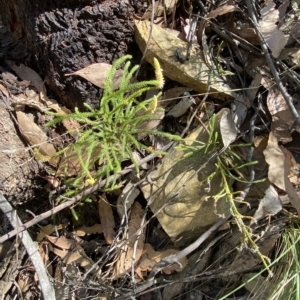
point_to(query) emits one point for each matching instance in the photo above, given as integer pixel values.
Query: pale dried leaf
(84, 230)
(172, 94)
(79, 257)
(279, 169)
(97, 74)
(281, 115)
(151, 124)
(47, 230)
(159, 9)
(24, 283)
(4, 287)
(45, 259)
(294, 167)
(228, 129)
(240, 108)
(147, 260)
(248, 33)
(71, 125)
(36, 137)
(69, 164)
(275, 39)
(150, 258)
(76, 256)
(126, 198)
(4, 90)
(261, 142)
(26, 73)
(53, 181)
(291, 53)
(182, 106)
(170, 4)
(107, 219)
(221, 10)
(61, 242)
(282, 8)
(294, 33)
(270, 205)
(176, 33)
(127, 257)
(193, 73)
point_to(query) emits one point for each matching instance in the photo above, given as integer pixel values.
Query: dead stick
(33, 253)
(73, 200)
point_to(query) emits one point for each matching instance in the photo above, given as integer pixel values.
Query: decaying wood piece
(193, 73)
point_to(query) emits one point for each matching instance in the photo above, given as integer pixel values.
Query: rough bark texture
(60, 37)
(56, 37)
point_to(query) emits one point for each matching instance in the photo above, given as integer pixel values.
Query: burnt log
(60, 37)
(54, 38)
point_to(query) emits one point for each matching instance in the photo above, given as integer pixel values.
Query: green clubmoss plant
(110, 131)
(230, 167)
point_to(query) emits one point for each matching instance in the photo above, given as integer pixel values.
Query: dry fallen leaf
(193, 73)
(126, 198)
(69, 164)
(26, 73)
(270, 205)
(281, 115)
(45, 257)
(107, 219)
(97, 74)
(4, 90)
(71, 125)
(24, 283)
(182, 106)
(61, 242)
(150, 258)
(130, 256)
(228, 129)
(279, 170)
(36, 137)
(77, 256)
(47, 230)
(84, 230)
(274, 37)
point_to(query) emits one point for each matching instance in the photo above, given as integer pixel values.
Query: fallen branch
(33, 253)
(77, 198)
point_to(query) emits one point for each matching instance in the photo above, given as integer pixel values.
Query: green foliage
(230, 167)
(286, 283)
(111, 131)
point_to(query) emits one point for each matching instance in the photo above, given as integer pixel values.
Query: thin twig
(288, 99)
(175, 258)
(33, 253)
(149, 38)
(74, 199)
